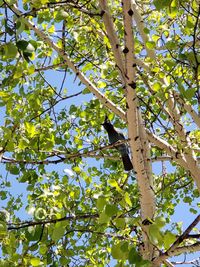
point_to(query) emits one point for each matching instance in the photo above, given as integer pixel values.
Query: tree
(137, 63)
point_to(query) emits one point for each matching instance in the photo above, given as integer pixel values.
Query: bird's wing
(121, 136)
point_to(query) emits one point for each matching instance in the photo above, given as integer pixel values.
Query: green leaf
(120, 222)
(30, 128)
(61, 14)
(33, 233)
(77, 169)
(14, 170)
(58, 232)
(3, 228)
(72, 109)
(133, 256)
(10, 50)
(156, 86)
(120, 251)
(101, 202)
(114, 183)
(194, 211)
(127, 199)
(187, 199)
(160, 222)
(40, 214)
(150, 45)
(169, 62)
(104, 218)
(190, 93)
(111, 210)
(35, 261)
(169, 239)
(43, 249)
(155, 235)
(20, 26)
(161, 4)
(101, 84)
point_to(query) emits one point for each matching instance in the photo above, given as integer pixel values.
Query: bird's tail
(127, 162)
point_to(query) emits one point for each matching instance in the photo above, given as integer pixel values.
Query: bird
(115, 136)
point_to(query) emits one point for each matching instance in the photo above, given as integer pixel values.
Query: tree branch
(175, 250)
(111, 32)
(21, 225)
(65, 156)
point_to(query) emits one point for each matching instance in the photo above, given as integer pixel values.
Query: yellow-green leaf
(35, 262)
(127, 199)
(30, 128)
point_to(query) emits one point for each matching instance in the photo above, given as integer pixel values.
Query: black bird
(113, 137)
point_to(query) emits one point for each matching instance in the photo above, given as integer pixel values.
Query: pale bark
(110, 30)
(136, 131)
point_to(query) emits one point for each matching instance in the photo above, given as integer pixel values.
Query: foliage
(78, 207)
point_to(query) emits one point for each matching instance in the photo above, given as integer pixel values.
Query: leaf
(190, 93)
(77, 169)
(33, 233)
(120, 223)
(14, 170)
(20, 26)
(133, 256)
(35, 261)
(127, 199)
(31, 69)
(111, 210)
(169, 62)
(101, 202)
(160, 222)
(161, 4)
(101, 84)
(104, 218)
(58, 232)
(23, 144)
(120, 251)
(169, 239)
(51, 29)
(30, 128)
(43, 249)
(3, 228)
(155, 235)
(61, 14)
(114, 183)
(156, 86)
(40, 214)
(150, 45)
(10, 50)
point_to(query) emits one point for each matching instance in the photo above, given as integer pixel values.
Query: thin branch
(65, 156)
(175, 250)
(177, 155)
(21, 225)
(55, 103)
(185, 249)
(184, 235)
(188, 108)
